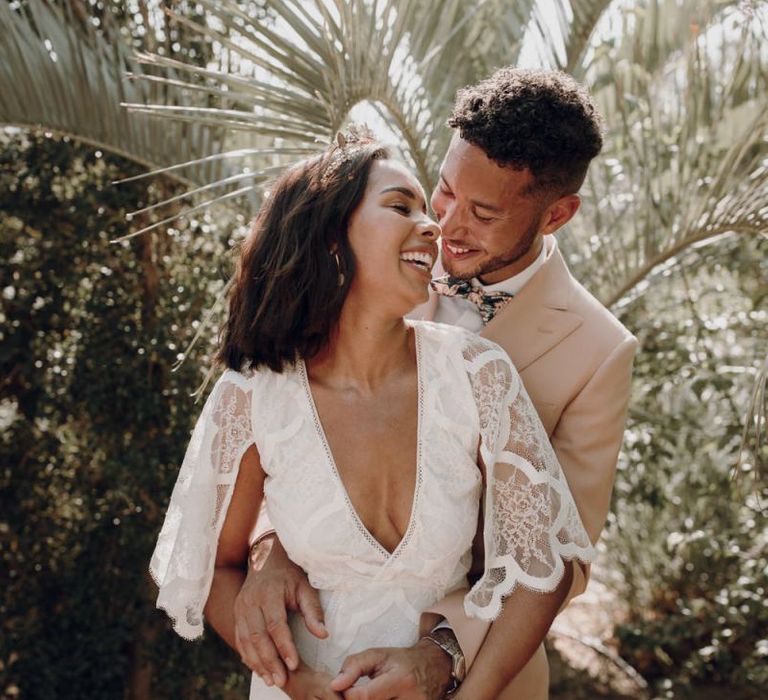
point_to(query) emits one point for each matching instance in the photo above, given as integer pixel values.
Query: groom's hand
(273, 585)
(421, 672)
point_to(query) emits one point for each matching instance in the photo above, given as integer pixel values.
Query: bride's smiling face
(393, 239)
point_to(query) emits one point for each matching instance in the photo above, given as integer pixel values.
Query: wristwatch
(446, 640)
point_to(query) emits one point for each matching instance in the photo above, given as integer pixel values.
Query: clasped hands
(263, 639)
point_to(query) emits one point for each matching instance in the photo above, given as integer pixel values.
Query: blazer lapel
(538, 318)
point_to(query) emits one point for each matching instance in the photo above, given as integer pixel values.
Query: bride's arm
(230, 571)
(512, 639)
(199, 562)
(532, 530)
(232, 552)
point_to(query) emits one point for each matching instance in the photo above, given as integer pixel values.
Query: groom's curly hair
(536, 119)
(296, 264)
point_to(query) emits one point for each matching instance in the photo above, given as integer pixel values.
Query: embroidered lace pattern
(182, 564)
(532, 522)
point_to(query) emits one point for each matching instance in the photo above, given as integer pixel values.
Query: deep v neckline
(331, 461)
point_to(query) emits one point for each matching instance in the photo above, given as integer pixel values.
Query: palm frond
(754, 439)
(297, 79)
(59, 74)
(288, 83)
(685, 158)
(586, 16)
(674, 173)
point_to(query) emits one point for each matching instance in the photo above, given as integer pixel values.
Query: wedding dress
(470, 396)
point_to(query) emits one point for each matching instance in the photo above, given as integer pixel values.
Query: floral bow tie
(489, 304)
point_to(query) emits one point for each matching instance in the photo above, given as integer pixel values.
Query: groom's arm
(418, 673)
(273, 585)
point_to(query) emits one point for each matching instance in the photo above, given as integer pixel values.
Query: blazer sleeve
(587, 440)
(588, 436)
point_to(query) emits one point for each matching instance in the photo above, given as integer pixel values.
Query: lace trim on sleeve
(183, 561)
(531, 519)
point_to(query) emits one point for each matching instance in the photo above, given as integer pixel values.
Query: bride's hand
(307, 684)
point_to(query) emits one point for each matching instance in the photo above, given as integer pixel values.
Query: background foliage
(94, 424)
(686, 546)
(95, 419)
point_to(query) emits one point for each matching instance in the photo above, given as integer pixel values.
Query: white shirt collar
(513, 285)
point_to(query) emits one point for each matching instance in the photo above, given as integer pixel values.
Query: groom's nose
(447, 213)
(443, 206)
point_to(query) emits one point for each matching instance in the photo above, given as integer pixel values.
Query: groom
(519, 154)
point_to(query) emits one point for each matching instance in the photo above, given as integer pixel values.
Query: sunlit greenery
(672, 236)
(94, 421)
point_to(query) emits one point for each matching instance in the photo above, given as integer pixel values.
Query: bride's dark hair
(296, 264)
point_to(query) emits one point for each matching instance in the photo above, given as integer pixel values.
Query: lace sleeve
(531, 520)
(184, 557)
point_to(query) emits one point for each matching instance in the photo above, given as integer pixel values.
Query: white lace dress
(469, 395)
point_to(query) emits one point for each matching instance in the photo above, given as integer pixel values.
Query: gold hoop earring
(338, 267)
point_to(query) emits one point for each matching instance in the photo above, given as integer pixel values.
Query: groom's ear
(559, 213)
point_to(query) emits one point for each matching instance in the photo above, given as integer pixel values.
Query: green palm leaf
(673, 174)
(684, 162)
(58, 73)
(754, 441)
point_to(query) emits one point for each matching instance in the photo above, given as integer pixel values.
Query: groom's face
(491, 222)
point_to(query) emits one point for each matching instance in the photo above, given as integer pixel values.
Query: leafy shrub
(688, 544)
(94, 425)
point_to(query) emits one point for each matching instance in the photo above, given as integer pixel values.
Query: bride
(373, 441)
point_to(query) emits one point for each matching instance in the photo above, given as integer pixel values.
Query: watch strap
(445, 638)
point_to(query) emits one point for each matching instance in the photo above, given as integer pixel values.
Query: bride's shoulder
(470, 344)
(241, 377)
(442, 333)
(249, 378)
